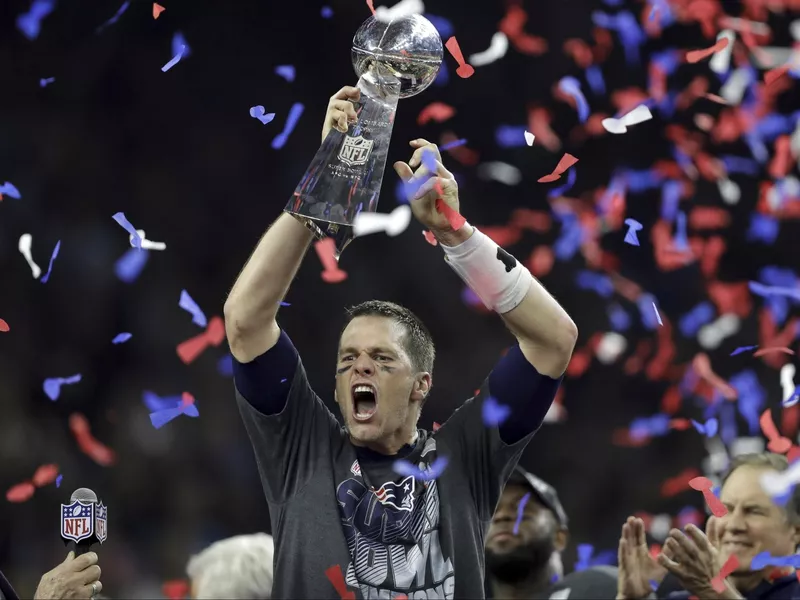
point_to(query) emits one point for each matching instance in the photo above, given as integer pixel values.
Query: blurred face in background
(377, 388)
(513, 557)
(754, 523)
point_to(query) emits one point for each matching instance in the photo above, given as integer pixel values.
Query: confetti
(129, 266)
(174, 60)
(4, 328)
(46, 277)
(98, 452)
(703, 484)
(565, 163)
(177, 589)
(285, 71)
(121, 338)
(30, 23)
(742, 349)
(146, 244)
(393, 223)
(709, 428)
(189, 305)
(186, 407)
(22, 492)
(781, 483)
(521, 512)
(791, 394)
(720, 62)
(58, 480)
(497, 49)
(225, 366)
(454, 218)
(572, 88)
(258, 112)
(9, 189)
(529, 138)
(658, 316)
(45, 81)
(402, 9)
(630, 235)
(775, 74)
(115, 18)
(453, 144)
(436, 111)
(326, 12)
(294, 115)
(334, 573)
(157, 10)
(494, 414)
(765, 559)
(777, 443)
(464, 70)
(718, 582)
(500, 171)
(179, 45)
(326, 252)
(702, 366)
(697, 55)
(430, 238)
(126, 225)
(189, 350)
(25, 246)
(52, 386)
(433, 471)
(638, 115)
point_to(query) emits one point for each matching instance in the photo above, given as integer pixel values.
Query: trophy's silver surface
(394, 59)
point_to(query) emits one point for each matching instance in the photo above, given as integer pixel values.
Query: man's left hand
(431, 181)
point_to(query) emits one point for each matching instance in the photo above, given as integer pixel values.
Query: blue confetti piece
(709, 429)
(767, 290)
(667, 61)
(45, 81)
(116, 16)
(225, 366)
(179, 45)
(119, 217)
(641, 181)
(129, 266)
(53, 257)
(690, 323)
(585, 552)
(793, 399)
(429, 160)
(650, 318)
(571, 237)
(619, 318)
(121, 338)
(681, 239)
(630, 235)
(285, 304)
(454, 144)
(326, 12)
(443, 26)
(8, 189)
(58, 480)
(258, 112)
(155, 403)
(594, 77)
(764, 559)
(742, 349)
(470, 298)
(443, 76)
(52, 385)
(589, 280)
(30, 23)
(510, 136)
(189, 305)
(494, 413)
(738, 164)
(162, 417)
(291, 121)
(572, 87)
(572, 176)
(405, 468)
(286, 71)
(521, 512)
(763, 228)
(174, 60)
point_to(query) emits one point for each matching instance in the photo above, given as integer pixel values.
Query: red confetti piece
(4, 326)
(371, 7)
(782, 161)
(94, 449)
(702, 365)
(565, 163)
(22, 492)
(336, 577)
(718, 583)
(680, 424)
(703, 484)
(715, 98)
(436, 426)
(773, 75)
(453, 217)
(325, 250)
(764, 351)
(436, 111)
(507, 235)
(45, 475)
(189, 350)
(541, 261)
(679, 483)
(777, 443)
(157, 10)
(464, 70)
(430, 238)
(177, 589)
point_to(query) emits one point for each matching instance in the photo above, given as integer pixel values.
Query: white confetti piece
(729, 190)
(778, 484)
(529, 137)
(638, 115)
(404, 8)
(145, 243)
(500, 171)
(25, 246)
(734, 88)
(713, 334)
(393, 223)
(791, 393)
(658, 316)
(611, 346)
(720, 61)
(497, 49)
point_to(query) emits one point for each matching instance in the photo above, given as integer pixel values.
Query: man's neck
(389, 447)
(746, 582)
(536, 583)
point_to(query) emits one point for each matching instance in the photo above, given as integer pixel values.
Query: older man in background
(237, 568)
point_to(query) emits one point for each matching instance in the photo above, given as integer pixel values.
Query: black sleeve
(489, 454)
(289, 426)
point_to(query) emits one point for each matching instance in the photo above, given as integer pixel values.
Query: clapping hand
(637, 568)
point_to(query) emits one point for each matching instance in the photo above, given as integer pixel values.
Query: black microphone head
(84, 495)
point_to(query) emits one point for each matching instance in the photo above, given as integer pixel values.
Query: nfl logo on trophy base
(355, 150)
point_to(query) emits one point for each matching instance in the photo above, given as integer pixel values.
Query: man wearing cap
(524, 544)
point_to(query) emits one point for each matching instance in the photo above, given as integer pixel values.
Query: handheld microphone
(84, 521)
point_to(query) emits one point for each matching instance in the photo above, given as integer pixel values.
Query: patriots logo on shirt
(355, 468)
(398, 495)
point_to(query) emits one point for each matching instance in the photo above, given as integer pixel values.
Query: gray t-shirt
(334, 506)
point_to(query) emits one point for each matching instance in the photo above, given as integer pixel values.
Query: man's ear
(561, 539)
(422, 387)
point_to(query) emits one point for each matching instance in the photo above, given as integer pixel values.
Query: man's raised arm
(253, 303)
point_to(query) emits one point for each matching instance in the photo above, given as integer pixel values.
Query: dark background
(178, 153)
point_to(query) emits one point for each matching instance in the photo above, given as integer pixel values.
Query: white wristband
(498, 278)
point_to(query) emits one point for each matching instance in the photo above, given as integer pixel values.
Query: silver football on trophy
(410, 47)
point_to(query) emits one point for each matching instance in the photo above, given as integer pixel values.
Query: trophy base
(341, 234)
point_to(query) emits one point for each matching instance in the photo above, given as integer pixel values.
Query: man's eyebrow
(372, 350)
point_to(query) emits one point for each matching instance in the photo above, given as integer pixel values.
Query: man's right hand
(341, 112)
(71, 579)
(636, 567)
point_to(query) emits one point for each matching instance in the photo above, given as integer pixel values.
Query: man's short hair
(237, 567)
(777, 462)
(418, 342)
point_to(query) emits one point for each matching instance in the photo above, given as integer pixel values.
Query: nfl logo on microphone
(78, 521)
(101, 519)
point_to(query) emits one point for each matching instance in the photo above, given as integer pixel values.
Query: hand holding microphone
(72, 579)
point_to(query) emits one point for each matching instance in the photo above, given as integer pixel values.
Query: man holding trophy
(380, 508)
